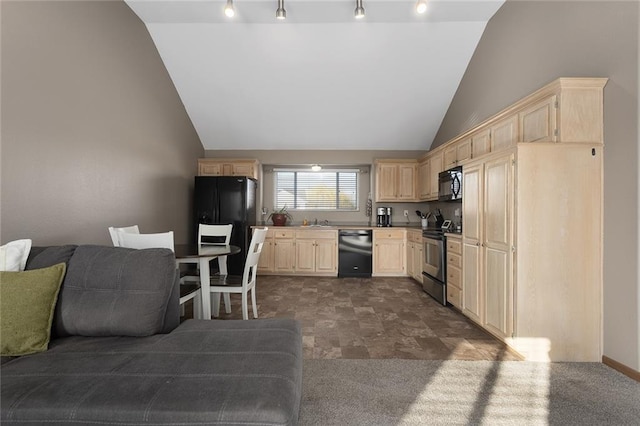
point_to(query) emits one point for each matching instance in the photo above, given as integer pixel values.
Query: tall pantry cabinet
(488, 212)
(532, 234)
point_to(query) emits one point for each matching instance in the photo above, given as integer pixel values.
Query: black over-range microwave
(450, 188)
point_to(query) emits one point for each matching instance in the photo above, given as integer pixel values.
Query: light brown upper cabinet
(463, 151)
(396, 180)
(424, 180)
(481, 143)
(504, 134)
(565, 110)
(436, 165)
(428, 169)
(450, 156)
(228, 167)
(457, 153)
(538, 122)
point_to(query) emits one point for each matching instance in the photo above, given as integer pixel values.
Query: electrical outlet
(406, 213)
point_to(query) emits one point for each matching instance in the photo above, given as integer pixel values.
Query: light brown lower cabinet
(283, 252)
(316, 252)
(389, 252)
(532, 249)
(454, 270)
(292, 251)
(414, 254)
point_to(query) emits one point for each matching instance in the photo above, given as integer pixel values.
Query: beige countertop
(415, 227)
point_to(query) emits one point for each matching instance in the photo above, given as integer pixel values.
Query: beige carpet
(413, 392)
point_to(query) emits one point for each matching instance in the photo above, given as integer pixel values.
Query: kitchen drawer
(414, 236)
(454, 260)
(454, 296)
(317, 235)
(283, 233)
(454, 246)
(454, 276)
(388, 234)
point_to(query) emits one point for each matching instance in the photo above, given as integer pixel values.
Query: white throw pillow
(13, 255)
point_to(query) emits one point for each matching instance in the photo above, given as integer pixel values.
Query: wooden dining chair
(188, 291)
(245, 284)
(113, 231)
(213, 235)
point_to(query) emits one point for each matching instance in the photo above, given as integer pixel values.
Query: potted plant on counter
(280, 217)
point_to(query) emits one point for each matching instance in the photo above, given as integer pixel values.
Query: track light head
(359, 12)
(229, 10)
(421, 6)
(281, 13)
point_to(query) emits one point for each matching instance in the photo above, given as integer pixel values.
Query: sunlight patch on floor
(502, 393)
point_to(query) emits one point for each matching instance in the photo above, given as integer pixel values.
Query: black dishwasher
(354, 252)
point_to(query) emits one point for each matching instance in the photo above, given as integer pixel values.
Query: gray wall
(530, 43)
(93, 131)
(327, 158)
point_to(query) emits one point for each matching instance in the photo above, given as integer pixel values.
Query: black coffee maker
(384, 216)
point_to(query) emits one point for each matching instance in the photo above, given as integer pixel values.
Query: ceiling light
(421, 6)
(359, 10)
(229, 10)
(316, 168)
(281, 13)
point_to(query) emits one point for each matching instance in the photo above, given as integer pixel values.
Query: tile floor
(371, 318)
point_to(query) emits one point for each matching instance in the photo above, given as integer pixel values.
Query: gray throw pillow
(43, 257)
(114, 291)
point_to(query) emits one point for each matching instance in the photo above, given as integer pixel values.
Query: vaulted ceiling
(319, 79)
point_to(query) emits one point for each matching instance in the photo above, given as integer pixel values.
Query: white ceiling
(320, 79)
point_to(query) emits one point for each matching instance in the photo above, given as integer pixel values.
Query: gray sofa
(118, 354)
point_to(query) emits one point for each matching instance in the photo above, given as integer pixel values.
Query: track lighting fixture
(229, 10)
(421, 6)
(281, 13)
(359, 10)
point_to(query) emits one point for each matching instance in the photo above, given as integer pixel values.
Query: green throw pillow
(27, 303)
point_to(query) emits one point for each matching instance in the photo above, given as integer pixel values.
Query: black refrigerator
(220, 200)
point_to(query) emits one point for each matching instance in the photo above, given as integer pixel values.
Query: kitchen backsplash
(448, 210)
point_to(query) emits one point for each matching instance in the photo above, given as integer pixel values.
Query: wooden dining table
(202, 254)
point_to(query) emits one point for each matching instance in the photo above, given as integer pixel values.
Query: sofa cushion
(114, 291)
(13, 255)
(27, 303)
(204, 372)
(42, 257)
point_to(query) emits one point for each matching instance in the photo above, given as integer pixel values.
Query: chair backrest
(214, 234)
(253, 256)
(143, 241)
(114, 233)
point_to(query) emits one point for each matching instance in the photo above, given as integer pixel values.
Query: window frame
(351, 169)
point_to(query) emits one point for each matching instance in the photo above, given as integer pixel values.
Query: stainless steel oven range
(433, 265)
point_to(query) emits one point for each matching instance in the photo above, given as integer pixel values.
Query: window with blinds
(324, 190)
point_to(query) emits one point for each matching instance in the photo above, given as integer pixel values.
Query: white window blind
(325, 190)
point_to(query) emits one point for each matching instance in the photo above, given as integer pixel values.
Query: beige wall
(327, 158)
(530, 43)
(93, 131)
